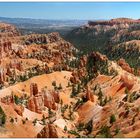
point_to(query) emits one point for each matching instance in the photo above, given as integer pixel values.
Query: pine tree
(60, 86)
(78, 88)
(43, 120)
(12, 120)
(112, 119)
(2, 117)
(65, 128)
(34, 122)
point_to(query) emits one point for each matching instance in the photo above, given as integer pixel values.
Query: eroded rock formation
(2, 75)
(114, 21)
(49, 100)
(38, 100)
(98, 56)
(125, 66)
(49, 131)
(89, 95)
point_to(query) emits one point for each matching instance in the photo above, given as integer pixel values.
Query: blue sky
(70, 10)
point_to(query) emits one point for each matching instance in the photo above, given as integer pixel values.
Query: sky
(70, 10)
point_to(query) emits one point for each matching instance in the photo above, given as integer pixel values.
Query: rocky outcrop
(83, 61)
(93, 61)
(15, 64)
(36, 103)
(5, 48)
(53, 37)
(116, 38)
(49, 131)
(33, 89)
(75, 78)
(128, 82)
(39, 100)
(36, 100)
(42, 38)
(8, 30)
(49, 100)
(31, 105)
(125, 66)
(114, 22)
(35, 38)
(19, 109)
(7, 100)
(2, 75)
(55, 95)
(89, 95)
(98, 56)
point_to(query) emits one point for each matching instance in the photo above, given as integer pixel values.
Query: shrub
(117, 130)
(50, 113)
(43, 120)
(12, 120)
(112, 119)
(105, 131)
(73, 132)
(74, 91)
(34, 121)
(54, 83)
(80, 127)
(23, 121)
(23, 78)
(16, 99)
(65, 128)
(78, 103)
(126, 91)
(2, 117)
(26, 119)
(89, 126)
(60, 86)
(63, 109)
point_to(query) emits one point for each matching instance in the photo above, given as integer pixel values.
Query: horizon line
(31, 18)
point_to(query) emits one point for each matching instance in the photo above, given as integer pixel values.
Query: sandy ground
(18, 129)
(28, 130)
(41, 80)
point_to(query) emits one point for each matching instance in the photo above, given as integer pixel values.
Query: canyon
(50, 88)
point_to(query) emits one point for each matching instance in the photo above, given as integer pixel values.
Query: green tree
(50, 113)
(26, 119)
(100, 96)
(69, 84)
(89, 127)
(65, 128)
(105, 100)
(79, 88)
(60, 86)
(105, 132)
(54, 83)
(126, 91)
(23, 121)
(2, 117)
(16, 99)
(34, 122)
(112, 119)
(74, 91)
(117, 130)
(43, 120)
(23, 78)
(12, 120)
